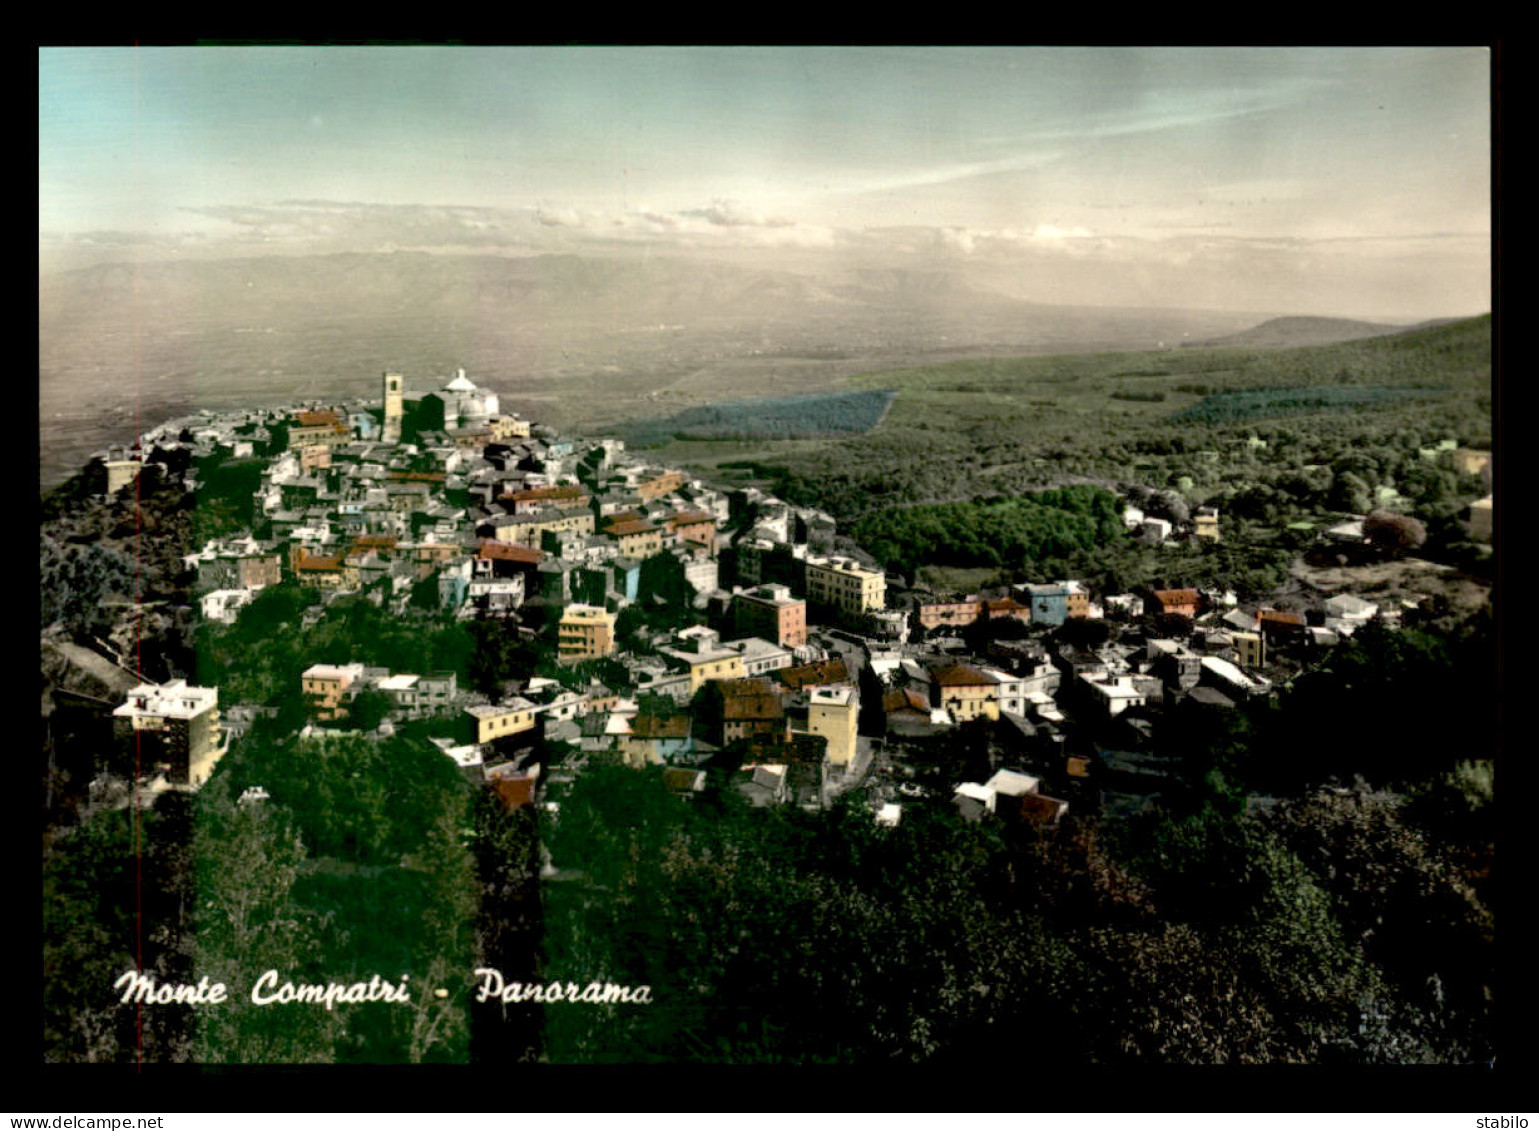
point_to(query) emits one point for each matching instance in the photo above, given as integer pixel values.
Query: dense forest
(1262, 914)
(771, 418)
(1205, 935)
(990, 428)
(1053, 523)
(358, 861)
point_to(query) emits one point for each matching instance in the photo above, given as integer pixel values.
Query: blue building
(1054, 602)
(364, 424)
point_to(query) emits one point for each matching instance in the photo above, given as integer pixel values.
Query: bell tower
(394, 396)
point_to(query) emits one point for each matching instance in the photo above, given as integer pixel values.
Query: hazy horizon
(1347, 182)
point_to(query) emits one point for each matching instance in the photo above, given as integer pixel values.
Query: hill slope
(1282, 333)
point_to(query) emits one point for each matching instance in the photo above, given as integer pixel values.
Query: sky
(1324, 180)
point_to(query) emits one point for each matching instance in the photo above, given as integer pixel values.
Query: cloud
(1050, 232)
(731, 214)
(309, 225)
(959, 238)
(1045, 258)
(559, 218)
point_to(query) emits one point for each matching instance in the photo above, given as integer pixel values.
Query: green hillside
(1004, 426)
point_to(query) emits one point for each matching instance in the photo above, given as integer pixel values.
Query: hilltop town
(676, 621)
(547, 616)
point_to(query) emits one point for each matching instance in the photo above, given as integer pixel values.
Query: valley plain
(581, 342)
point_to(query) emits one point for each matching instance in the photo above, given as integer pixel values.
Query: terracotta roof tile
(960, 675)
(661, 726)
(744, 699)
(508, 552)
(810, 675)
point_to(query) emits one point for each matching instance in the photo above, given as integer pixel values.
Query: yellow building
(702, 655)
(508, 426)
(315, 457)
(586, 633)
(967, 693)
(1205, 523)
(325, 685)
(957, 614)
(1249, 649)
(533, 500)
(833, 712)
(1468, 461)
(516, 716)
(660, 484)
(323, 572)
(636, 537)
(317, 426)
(120, 473)
(528, 530)
(845, 586)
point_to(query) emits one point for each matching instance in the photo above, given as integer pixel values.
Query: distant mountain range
(604, 293)
(1282, 333)
(568, 339)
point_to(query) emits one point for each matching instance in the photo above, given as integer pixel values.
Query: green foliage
(366, 710)
(1351, 715)
(1025, 423)
(1205, 868)
(1048, 524)
(97, 881)
(1393, 533)
(76, 579)
(248, 858)
(251, 661)
(355, 865)
(1418, 919)
(816, 414)
(225, 502)
(498, 653)
(1236, 883)
(359, 800)
(1254, 404)
(1251, 567)
(778, 937)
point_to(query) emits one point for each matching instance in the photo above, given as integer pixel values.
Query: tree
(1086, 632)
(1400, 896)
(368, 709)
(499, 654)
(117, 896)
(1350, 493)
(248, 923)
(1393, 533)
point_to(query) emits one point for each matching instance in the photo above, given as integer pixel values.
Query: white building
(224, 605)
(177, 726)
(1346, 613)
(1114, 695)
(465, 403)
